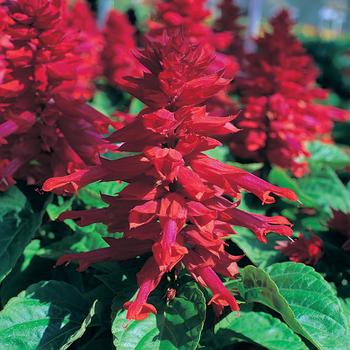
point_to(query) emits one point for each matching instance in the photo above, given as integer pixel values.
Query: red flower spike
(89, 46)
(117, 56)
(49, 58)
(308, 251)
(228, 22)
(191, 17)
(176, 195)
(278, 88)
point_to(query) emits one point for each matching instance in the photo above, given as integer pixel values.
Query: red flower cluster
(228, 23)
(179, 203)
(279, 92)
(89, 45)
(41, 69)
(307, 251)
(117, 56)
(190, 15)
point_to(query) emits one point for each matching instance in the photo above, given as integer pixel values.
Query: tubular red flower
(147, 279)
(259, 224)
(206, 276)
(175, 193)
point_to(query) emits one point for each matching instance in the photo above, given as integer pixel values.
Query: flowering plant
(138, 203)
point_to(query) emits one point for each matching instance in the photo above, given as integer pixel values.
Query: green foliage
(304, 300)
(18, 225)
(47, 315)
(328, 155)
(328, 192)
(267, 331)
(178, 325)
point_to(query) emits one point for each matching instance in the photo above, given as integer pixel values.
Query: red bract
(308, 251)
(279, 90)
(177, 197)
(117, 56)
(39, 118)
(175, 74)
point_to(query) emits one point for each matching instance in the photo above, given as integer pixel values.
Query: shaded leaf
(177, 326)
(77, 243)
(80, 332)
(267, 331)
(42, 317)
(18, 224)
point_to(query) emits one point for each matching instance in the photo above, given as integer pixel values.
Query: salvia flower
(305, 250)
(89, 46)
(41, 96)
(228, 22)
(191, 17)
(278, 85)
(179, 203)
(117, 56)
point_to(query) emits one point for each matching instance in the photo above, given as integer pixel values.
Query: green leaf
(220, 153)
(303, 298)
(55, 210)
(102, 103)
(324, 186)
(260, 254)
(345, 304)
(29, 269)
(267, 331)
(280, 177)
(91, 194)
(136, 106)
(178, 326)
(43, 317)
(18, 224)
(328, 154)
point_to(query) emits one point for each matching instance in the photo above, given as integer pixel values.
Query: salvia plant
(163, 188)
